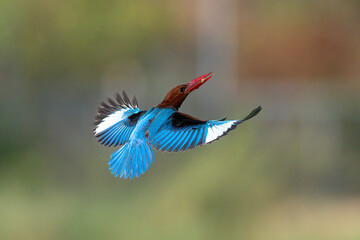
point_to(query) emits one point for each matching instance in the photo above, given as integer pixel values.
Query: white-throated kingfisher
(120, 122)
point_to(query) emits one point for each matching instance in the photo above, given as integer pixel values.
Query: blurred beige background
(293, 172)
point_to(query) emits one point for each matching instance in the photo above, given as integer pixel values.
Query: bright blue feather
(121, 122)
(190, 139)
(117, 134)
(197, 138)
(135, 157)
(171, 137)
(166, 139)
(156, 128)
(132, 159)
(172, 140)
(184, 140)
(178, 135)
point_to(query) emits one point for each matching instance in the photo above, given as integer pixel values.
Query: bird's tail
(132, 159)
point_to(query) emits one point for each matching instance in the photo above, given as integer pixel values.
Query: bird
(120, 122)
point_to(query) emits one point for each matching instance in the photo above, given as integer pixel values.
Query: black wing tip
(135, 102)
(106, 108)
(253, 113)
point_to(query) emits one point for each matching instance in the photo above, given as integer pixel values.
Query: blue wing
(116, 120)
(181, 132)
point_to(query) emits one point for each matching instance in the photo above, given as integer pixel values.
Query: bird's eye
(182, 89)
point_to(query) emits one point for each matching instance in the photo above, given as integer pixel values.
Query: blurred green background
(293, 172)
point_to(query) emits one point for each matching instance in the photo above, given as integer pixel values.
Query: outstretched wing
(116, 120)
(181, 131)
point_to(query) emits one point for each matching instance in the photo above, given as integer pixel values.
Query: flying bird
(120, 122)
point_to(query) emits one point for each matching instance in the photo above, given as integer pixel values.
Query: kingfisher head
(177, 95)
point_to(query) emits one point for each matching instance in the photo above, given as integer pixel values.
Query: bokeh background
(292, 172)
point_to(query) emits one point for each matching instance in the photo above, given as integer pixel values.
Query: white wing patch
(109, 114)
(111, 120)
(181, 131)
(217, 130)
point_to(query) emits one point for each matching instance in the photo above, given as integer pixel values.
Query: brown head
(178, 94)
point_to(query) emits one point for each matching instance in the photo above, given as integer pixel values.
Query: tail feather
(132, 159)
